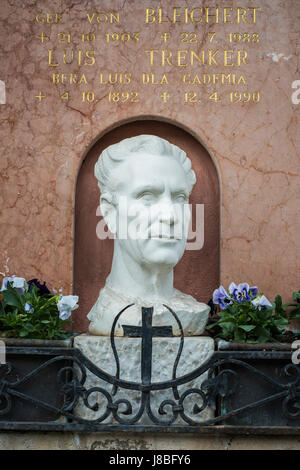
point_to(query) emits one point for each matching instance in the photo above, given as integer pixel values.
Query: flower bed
(249, 317)
(29, 310)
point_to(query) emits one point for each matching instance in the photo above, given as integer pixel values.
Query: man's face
(152, 209)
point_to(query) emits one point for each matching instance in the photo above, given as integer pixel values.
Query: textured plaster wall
(254, 146)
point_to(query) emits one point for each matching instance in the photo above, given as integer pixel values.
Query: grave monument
(219, 81)
(145, 183)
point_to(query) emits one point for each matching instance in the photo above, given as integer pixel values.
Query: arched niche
(198, 271)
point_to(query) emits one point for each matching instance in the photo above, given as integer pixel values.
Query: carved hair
(117, 153)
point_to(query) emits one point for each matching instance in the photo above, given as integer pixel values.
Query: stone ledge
(119, 441)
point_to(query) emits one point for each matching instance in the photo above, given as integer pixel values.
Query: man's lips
(165, 237)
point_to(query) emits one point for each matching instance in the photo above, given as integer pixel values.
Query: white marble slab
(196, 351)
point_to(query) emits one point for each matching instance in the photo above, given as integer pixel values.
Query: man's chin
(162, 256)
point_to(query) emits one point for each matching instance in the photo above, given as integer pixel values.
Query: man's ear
(109, 212)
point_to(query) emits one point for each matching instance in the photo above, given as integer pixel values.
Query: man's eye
(181, 198)
(148, 197)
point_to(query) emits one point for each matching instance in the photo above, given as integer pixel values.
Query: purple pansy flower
(28, 308)
(221, 297)
(253, 290)
(242, 292)
(42, 287)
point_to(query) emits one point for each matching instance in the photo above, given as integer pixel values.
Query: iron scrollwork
(222, 381)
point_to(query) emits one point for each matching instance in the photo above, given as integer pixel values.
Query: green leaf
(23, 333)
(281, 323)
(10, 298)
(247, 327)
(263, 335)
(239, 335)
(227, 325)
(212, 325)
(296, 295)
(295, 313)
(278, 303)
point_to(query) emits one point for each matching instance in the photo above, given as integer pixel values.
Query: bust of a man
(145, 184)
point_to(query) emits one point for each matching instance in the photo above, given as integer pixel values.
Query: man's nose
(168, 213)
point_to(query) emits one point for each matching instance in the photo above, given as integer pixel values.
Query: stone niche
(198, 271)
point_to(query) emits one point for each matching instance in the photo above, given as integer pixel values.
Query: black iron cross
(146, 332)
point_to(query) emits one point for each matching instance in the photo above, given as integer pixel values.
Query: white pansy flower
(66, 304)
(5, 281)
(261, 302)
(18, 283)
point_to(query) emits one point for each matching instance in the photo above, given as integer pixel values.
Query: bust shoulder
(191, 313)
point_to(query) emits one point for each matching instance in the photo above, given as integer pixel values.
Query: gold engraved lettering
(151, 55)
(228, 57)
(123, 96)
(113, 78)
(151, 78)
(176, 15)
(82, 58)
(192, 15)
(149, 16)
(226, 15)
(197, 57)
(212, 15)
(180, 57)
(206, 79)
(102, 17)
(50, 59)
(240, 58)
(72, 78)
(211, 57)
(165, 58)
(241, 12)
(160, 20)
(48, 18)
(184, 57)
(254, 13)
(208, 15)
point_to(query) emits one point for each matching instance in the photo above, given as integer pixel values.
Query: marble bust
(145, 184)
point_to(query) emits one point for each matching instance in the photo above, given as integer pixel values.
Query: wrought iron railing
(223, 373)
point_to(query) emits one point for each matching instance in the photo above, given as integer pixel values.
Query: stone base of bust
(196, 351)
(191, 313)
